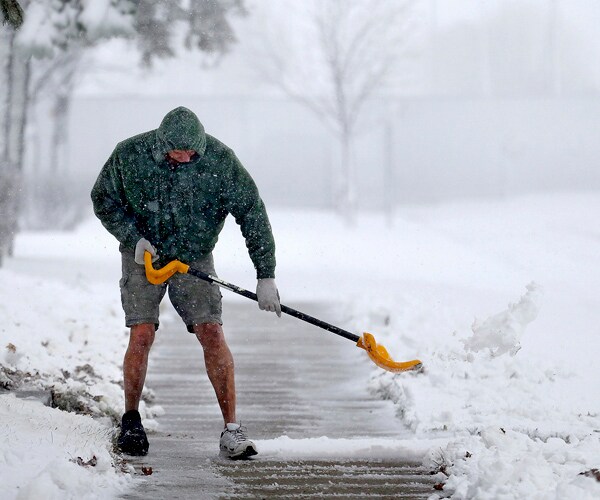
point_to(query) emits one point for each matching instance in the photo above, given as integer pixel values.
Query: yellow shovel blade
(381, 357)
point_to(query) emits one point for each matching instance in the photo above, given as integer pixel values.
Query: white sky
(579, 40)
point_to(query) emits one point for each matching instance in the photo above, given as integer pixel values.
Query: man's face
(181, 155)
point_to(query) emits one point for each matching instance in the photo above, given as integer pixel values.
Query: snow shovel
(376, 352)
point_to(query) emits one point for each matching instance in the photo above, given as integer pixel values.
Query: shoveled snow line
(367, 448)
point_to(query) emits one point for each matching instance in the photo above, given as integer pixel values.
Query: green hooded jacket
(181, 208)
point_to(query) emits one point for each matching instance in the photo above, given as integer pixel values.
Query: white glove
(268, 296)
(140, 247)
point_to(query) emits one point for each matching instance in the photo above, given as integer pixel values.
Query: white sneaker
(235, 444)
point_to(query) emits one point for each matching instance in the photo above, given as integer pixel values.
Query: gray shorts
(196, 301)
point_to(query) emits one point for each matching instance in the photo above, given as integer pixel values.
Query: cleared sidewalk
(292, 379)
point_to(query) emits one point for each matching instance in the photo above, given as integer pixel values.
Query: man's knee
(141, 336)
(209, 334)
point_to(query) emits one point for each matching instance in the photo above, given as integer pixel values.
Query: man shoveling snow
(168, 192)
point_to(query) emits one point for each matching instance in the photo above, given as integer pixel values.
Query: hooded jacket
(181, 208)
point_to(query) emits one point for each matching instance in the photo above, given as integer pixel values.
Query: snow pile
(525, 375)
(501, 463)
(68, 338)
(65, 336)
(47, 453)
(502, 415)
(501, 333)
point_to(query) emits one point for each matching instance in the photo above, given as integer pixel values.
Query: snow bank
(527, 368)
(62, 332)
(501, 333)
(513, 394)
(500, 463)
(461, 388)
(51, 454)
(64, 337)
(505, 417)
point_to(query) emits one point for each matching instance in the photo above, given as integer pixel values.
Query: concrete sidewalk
(292, 379)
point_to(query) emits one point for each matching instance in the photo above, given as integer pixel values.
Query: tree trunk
(554, 50)
(60, 208)
(389, 179)
(15, 79)
(61, 109)
(60, 134)
(6, 165)
(48, 200)
(345, 188)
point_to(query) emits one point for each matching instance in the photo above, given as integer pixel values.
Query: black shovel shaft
(287, 310)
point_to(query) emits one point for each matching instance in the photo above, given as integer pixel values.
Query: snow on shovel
(376, 352)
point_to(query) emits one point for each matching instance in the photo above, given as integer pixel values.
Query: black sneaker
(132, 439)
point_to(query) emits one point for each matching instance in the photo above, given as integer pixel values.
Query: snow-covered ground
(496, 298)
(62, 334)
(51, 454)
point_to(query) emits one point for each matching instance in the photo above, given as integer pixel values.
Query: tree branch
(12, 13)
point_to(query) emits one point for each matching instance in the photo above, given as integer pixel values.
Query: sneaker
(235, 444)
(132, 439)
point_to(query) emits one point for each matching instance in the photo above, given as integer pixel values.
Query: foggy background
(470, 100)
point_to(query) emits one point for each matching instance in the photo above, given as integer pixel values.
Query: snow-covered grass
(497, 298)
(50, 454)
(61, 336)
(62, 332)
(67, 337)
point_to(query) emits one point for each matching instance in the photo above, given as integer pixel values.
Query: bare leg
(219, 366)
(135, 364)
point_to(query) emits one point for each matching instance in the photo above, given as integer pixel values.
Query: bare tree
(47, 28)
(50, 199)
(14, 78)
(205, 25)
(12, 13)
(332, 60)
(61, 31)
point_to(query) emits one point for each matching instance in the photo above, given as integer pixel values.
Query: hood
(179, 129)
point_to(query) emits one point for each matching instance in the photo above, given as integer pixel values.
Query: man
(168, 192)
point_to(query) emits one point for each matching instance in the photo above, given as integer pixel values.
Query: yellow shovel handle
(158, 276)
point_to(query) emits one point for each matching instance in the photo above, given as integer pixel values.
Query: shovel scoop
(378, 354)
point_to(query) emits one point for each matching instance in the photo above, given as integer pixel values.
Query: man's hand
(140, 247)
(268, 296)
